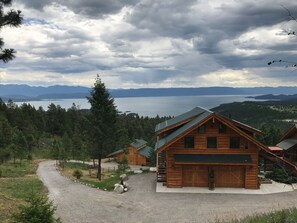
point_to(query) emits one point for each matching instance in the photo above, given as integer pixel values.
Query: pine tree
(11, 18)
(103, 118)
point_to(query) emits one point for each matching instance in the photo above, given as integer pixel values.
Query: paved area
(264, 189)
(79, 203)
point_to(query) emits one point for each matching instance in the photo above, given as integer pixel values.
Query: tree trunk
(99, 167)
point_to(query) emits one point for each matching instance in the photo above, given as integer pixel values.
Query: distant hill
(26, 92)
(281, 97)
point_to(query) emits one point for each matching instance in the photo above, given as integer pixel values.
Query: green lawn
(17, 184)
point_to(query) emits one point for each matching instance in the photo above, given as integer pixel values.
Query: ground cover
(17, 184)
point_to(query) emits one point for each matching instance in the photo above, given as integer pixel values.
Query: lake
(152, 106)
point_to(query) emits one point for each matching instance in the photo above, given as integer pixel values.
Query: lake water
(152, 106)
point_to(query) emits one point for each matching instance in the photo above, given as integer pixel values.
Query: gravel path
(82, 204)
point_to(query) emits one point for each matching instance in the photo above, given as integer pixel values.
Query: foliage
(10, 18)
(77, 173)
(103, 119)
(280, 175)
(123, 164)
(76, 165)
(283, 216)
(39, 210)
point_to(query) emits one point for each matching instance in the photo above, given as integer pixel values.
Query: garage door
(195, 176)
(229, 176)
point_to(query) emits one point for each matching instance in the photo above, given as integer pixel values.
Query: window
(201, 129)
(222, 128)
(212, 142)
(234, 142)
(246, 145)
(189, 141)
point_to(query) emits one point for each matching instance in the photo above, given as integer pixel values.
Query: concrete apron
(264, 189)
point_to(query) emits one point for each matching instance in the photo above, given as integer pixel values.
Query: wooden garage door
(229, 176)
(195, 176)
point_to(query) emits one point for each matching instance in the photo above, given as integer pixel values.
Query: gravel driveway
(82, 204)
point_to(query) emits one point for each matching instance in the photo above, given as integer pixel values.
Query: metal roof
(212, 158)
(145, 151)
(182, 129)
(138, 143)
(115, 153)
(287, 143)
(194, 112)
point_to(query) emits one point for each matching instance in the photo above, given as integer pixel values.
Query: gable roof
(180, 119)
(138, 143)
(198, 121)
(289, 132)
(287, 144)
(162, 142)
(145, 151)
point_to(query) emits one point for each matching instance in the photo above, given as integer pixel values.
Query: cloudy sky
(152, 43)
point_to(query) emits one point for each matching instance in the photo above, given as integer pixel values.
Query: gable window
(212, 142)
(222, 128)
(201, 129)
(189, 142)
(234, 142)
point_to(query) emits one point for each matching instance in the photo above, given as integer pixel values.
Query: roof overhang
(213, 159)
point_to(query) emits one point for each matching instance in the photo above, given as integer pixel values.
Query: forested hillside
(58, 133)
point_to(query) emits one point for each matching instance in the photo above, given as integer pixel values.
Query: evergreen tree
(103, 118)
(11, 18)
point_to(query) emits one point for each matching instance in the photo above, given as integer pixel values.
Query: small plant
(77, 173)
(123, 166)
(38, 210)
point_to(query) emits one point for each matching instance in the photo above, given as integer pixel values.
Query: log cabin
(137, 153)
(288, 144)
(199, 148)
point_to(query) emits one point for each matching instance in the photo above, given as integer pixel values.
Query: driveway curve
(77, 203)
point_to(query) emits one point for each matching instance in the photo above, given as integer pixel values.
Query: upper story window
(201, 129)
(212, 142)
(246, 145)
(234, 142)
(222, 128)
(189, 142)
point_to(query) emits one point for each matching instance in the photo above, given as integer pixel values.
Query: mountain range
(26, 92)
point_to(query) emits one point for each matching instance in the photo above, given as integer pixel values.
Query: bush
(39, 210)
(123, 166)
(77, 173)
(280, 175)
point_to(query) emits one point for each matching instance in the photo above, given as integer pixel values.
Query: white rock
(119, 189)
(137, 171)
(116, 185)
(153, 169)
(125, 189)
(125, 184)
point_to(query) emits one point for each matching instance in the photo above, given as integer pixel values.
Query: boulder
(125, 189)
(153, 169)
(124, 177)
(119, 188)
(137, 171)
(126, 185)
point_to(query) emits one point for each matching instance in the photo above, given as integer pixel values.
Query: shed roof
(145, 151)
(115, 153)
(182, 129)
(212, 158)
(138, 143)
(287, 143)
(177, 119)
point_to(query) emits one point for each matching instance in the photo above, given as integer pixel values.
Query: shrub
(123, 165)
(280, 175)
(77, 173)
(39, 210)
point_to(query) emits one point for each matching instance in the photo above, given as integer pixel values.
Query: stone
(125, 189)
(124, 177)
(119, 189)
(153, 169)
(125, 184)
(137, 171)
(116, 185)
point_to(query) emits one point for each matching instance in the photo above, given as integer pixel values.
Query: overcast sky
(152, 43)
